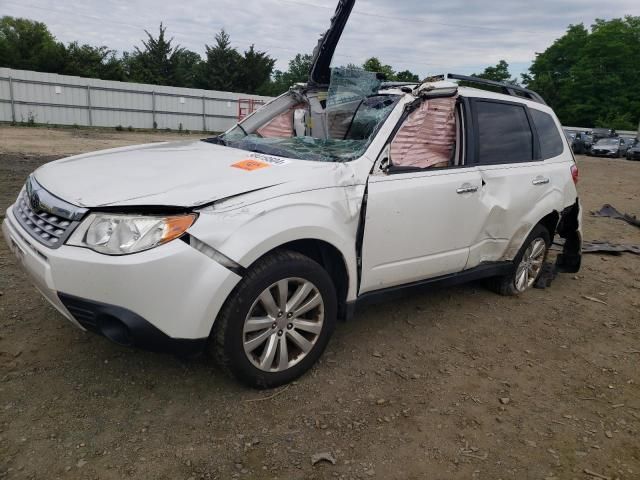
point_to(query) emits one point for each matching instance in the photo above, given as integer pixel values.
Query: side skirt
(485, 270)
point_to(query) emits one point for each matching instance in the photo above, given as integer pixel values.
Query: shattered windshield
(336, 125)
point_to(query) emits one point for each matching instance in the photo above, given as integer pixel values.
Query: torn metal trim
(570, 259)
(214, 254)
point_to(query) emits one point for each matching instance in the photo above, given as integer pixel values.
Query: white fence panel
(65, 100)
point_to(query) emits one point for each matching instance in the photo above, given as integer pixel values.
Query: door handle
(467, 188)
(540, 181)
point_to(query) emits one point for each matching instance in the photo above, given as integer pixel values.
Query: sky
(426, 37)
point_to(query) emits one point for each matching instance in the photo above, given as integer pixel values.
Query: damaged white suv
(253, 243)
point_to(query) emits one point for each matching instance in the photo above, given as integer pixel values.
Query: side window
(504, 133)
(550, 141)
(427, 138)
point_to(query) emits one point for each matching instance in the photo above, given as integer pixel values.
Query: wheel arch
(329, 257)
(550, 222)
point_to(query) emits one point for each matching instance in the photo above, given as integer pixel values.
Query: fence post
(89, 105)
(204, 114)
(153, 109)
(13, 106)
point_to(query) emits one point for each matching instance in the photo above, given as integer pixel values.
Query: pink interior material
(280, 126)
(427, 137)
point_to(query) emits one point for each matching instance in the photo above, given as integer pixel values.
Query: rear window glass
(550, 141)
(504, 134)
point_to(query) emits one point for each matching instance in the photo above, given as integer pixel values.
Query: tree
(93, 62)
(28, 45)
(187, 68)
(160, 62)
(590, 77)
(221, 69)
(550, 72)
(298, 72)
(373, 64)
(497, 73)
(255, 70)
(407, 76)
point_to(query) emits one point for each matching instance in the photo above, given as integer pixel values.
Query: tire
(508, 285)
(247, 338)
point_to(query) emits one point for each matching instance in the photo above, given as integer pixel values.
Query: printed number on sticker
(250, 165)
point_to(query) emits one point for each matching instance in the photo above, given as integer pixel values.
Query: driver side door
(419, 225)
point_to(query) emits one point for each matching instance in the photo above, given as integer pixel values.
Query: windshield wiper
(215, 140)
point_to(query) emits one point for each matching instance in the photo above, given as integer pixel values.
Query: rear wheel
(277, 322)
(527, 264)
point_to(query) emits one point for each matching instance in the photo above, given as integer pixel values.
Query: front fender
(248, 232)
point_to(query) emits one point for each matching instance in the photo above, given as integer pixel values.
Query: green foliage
(498, 73)
(255, 70)
(590, 77)
(298, 72)
(221, 69)
(373, 64)
(93, 62)
(28, 45)
(407, 76)
(162, 63)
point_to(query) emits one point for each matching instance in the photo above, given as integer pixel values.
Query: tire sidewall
(538, 232)
(244, 298)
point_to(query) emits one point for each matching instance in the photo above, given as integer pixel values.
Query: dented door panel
(516, 197)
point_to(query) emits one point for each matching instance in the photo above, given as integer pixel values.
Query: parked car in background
(581, 143)
(599, 133)
(570, 135)
(341, 191)
(633, 152)
(609, 147)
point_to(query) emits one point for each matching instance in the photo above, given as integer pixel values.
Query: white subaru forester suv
(341, 191)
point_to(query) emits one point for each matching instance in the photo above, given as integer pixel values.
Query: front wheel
(527, 264)
(277, 322)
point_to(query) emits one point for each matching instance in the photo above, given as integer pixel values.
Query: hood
(320, 71)
(181, 174)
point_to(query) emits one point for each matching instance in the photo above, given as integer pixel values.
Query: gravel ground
(452, 383)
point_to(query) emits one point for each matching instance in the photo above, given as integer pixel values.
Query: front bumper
(604, 153)
(167, 296)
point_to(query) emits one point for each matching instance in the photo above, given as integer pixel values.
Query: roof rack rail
(506, 88)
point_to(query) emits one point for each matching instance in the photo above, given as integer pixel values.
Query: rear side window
(550, 142)
(504, 133)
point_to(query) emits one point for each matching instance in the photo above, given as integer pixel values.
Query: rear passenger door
(514, 176)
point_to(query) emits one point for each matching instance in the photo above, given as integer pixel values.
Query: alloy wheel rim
(530, 265)
(283, 324)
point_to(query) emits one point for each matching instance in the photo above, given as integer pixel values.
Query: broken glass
(354, 112)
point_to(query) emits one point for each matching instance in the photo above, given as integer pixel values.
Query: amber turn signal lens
(174, 227)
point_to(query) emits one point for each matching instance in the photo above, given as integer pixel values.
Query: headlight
(115, 234)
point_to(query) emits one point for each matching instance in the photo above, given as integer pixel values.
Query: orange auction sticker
(250, 165)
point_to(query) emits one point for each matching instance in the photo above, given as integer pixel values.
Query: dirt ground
(450, 384)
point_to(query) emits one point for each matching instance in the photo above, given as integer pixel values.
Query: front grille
(45, 217)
